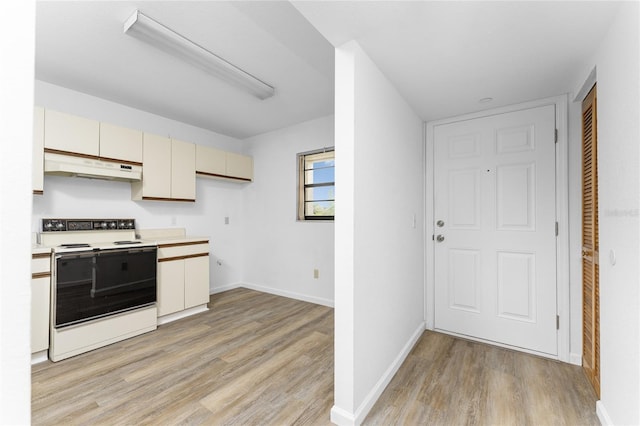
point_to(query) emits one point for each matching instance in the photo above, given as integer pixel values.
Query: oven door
(90, 285)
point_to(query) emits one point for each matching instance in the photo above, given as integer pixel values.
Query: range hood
(69, 165)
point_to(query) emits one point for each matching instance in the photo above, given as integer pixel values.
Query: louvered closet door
(590, 275)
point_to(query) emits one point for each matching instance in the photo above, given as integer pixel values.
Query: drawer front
(40, 265)
(171, 251)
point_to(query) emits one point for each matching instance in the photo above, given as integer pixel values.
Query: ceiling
(442, 56)
(81, 45)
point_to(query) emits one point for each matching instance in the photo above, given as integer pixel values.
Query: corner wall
(280, 252)
(17, 53)
(617, 61)
(379, 233)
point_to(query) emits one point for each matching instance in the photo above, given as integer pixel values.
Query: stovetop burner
(75, 245)
(126, 242)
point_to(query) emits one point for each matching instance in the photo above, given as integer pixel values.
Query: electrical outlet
(316, 273)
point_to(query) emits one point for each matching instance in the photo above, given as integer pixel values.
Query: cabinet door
(120, 143)
(156, 167)
(170, 287)
(183, 170)
(239, 166)
(40, 292)
(37, 168)
(211, 160)
(196, 281)
(66, 132)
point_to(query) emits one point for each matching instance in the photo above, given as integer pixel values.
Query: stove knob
(129, 225)
(59, 225)
(112, 225)
(103, 225)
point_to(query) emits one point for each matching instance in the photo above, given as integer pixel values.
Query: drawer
(40, 263)
(182, 249)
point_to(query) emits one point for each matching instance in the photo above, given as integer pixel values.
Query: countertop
(168, 236)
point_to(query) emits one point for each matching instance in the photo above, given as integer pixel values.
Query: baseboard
(379, 387)
(575, 359)
(289, 294)
(603, 415)
(224, 288)
(38, 357)
(341, 417)
(182, 314)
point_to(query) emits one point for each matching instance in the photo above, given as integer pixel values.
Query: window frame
(302, 185)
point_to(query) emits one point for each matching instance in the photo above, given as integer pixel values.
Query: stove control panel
(61, 225)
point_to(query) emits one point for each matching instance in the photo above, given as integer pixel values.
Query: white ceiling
(81, 45)
(442, 56)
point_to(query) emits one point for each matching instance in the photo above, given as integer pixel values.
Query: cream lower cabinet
(40, 301)
(183, 277)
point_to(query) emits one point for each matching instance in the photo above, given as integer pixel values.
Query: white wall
(17, 52)
(617, 61)
(379, 266)
(215, 200)
(280, 253)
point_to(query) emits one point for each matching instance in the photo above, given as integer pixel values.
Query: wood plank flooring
(450, 381)
(252, 359)
(259, 359)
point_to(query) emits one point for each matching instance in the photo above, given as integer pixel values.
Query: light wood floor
(259, 359)
(450, 381)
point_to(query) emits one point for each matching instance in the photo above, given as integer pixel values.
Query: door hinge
(557, 322)
(556, 135)
(556, 229)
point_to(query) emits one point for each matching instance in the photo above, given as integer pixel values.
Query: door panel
(495, 270)
(590, 269)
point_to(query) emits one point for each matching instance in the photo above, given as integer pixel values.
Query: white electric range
(103, 283)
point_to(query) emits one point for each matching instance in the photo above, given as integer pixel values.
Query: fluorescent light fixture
(169, 41)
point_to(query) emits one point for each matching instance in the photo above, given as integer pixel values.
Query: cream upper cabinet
(37, 167)
(239, 166)
(156, 169)
(120, 143)
(183, 170)
(70, 133)
(216, 163)
(211, 161)
(168, 170)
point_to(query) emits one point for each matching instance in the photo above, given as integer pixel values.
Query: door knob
(440, 238)
(440, 223)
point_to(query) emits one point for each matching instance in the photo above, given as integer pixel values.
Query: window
(316, 185)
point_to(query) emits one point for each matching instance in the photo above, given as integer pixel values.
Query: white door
(495, 248)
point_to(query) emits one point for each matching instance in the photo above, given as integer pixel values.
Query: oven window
(94, 285)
